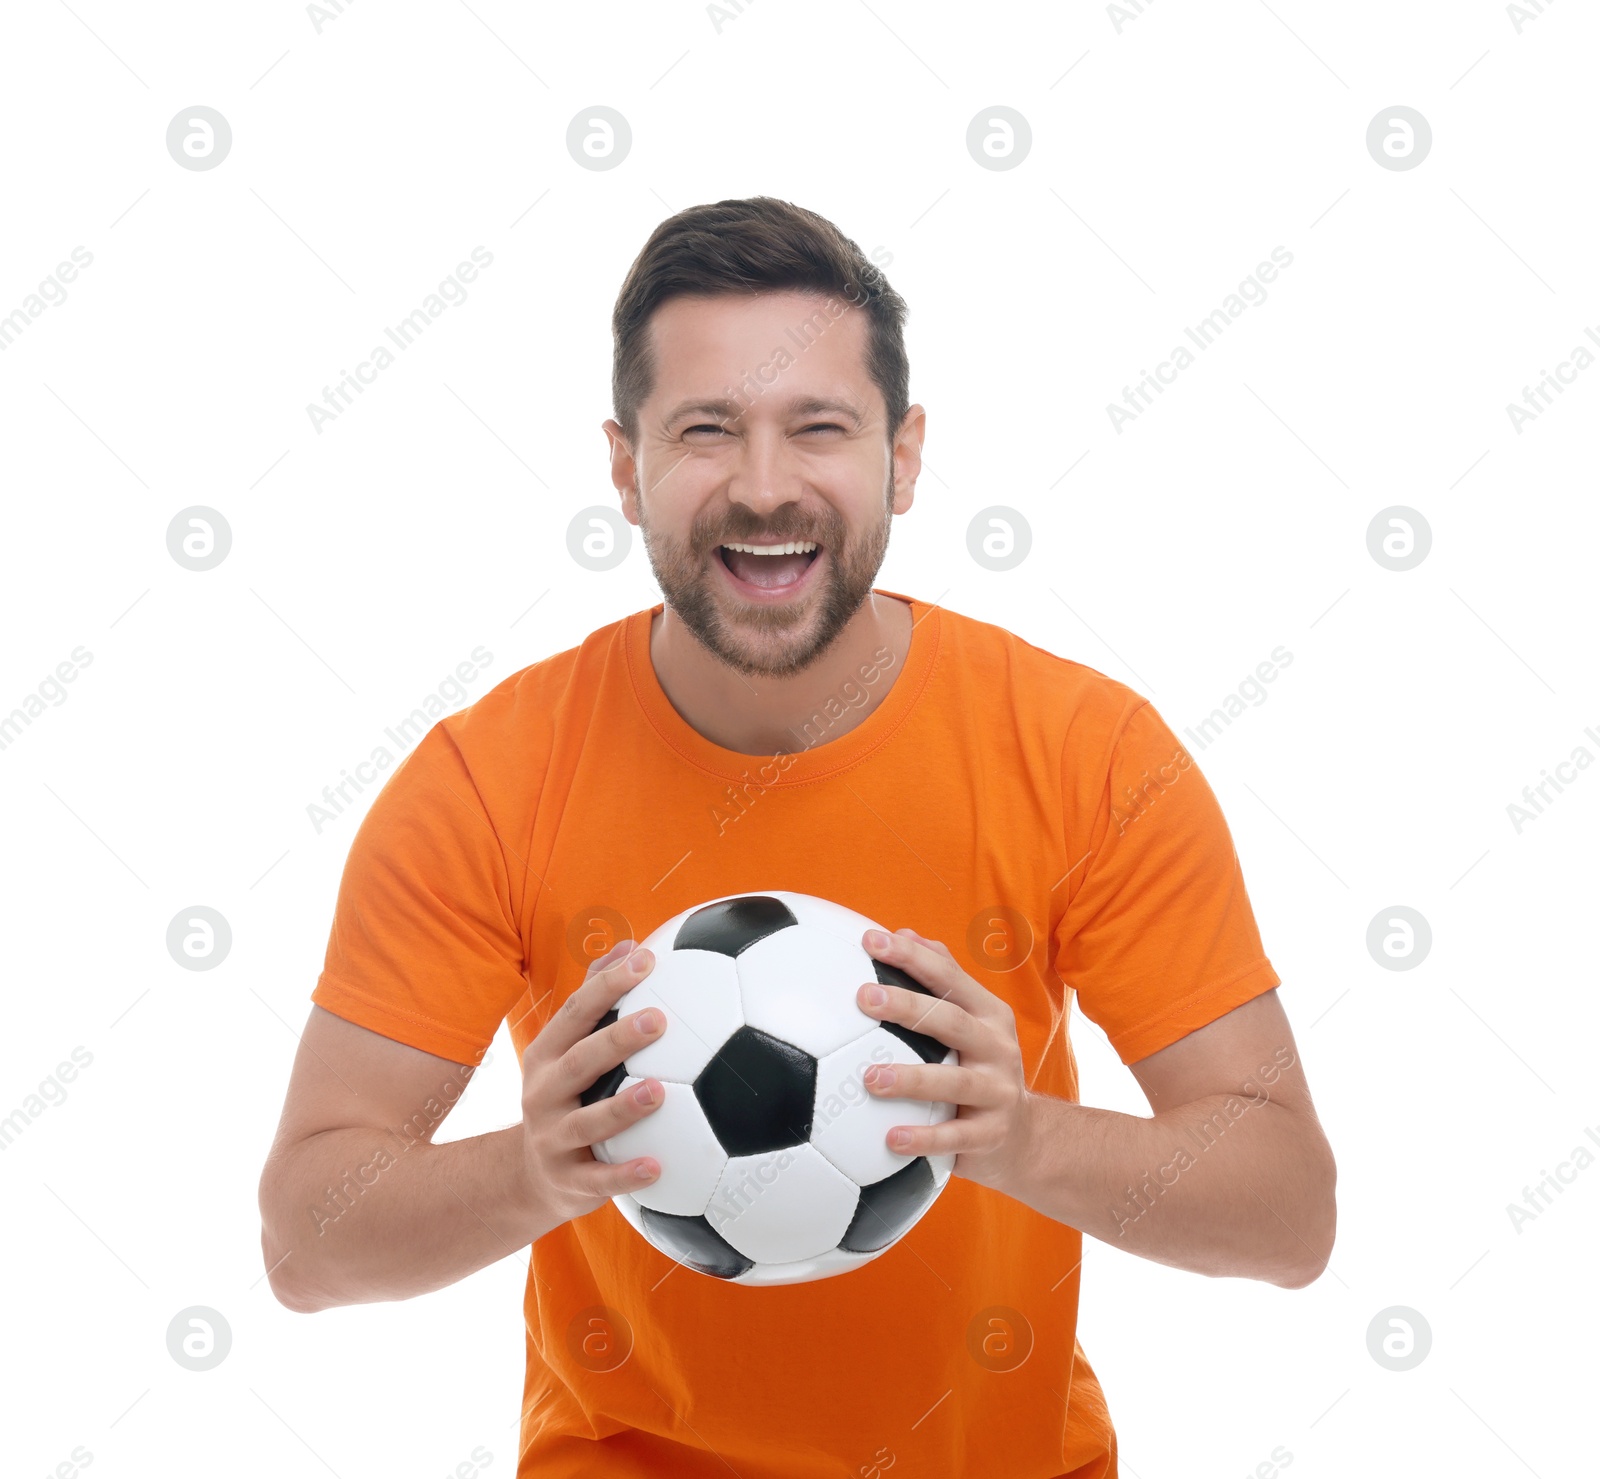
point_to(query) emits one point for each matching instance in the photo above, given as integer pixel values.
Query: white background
(1170, 154)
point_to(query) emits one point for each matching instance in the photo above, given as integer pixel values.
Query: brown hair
(759, 245)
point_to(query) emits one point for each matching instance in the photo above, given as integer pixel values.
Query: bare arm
(359, 1205)
(1232, 1176)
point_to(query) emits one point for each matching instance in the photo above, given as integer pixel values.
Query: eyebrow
(723, 410)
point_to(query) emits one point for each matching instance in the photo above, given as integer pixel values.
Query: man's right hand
(562, 1176)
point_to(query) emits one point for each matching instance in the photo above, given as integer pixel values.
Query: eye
(823, 426)
(704, 426)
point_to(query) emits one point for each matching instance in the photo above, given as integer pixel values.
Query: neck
(766, 716)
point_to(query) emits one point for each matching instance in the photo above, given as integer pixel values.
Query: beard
(766, 641)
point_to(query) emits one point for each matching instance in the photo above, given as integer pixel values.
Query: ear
(624, 470)
(906, 455)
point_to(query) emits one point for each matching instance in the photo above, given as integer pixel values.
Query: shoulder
(523, 710)
(1078, 705)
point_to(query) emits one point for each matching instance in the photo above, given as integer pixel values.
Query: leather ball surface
(774, 1162)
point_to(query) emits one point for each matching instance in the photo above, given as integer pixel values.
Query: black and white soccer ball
(775, 1167)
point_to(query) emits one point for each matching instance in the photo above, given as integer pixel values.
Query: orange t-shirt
(1001, 799)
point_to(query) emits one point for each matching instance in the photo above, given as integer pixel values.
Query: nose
(765, 475)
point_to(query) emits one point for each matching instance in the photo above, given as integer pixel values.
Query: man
(1024, 824)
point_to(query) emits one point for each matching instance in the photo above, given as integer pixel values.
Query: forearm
(352, 1216)
(1223, 1186)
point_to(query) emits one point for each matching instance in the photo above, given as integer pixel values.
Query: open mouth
(770, 567)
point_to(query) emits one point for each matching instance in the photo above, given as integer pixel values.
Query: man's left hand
(992, 1132)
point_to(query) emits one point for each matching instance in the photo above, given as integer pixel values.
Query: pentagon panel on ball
(774, 1163)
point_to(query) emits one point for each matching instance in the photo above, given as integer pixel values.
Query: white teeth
(794, 547)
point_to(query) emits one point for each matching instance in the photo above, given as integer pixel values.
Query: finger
(935, 969)
(611, 1116)
(594, 1056)
(929, 1015)
(619, 951)
(951, 1137)
(938, 945)
(947, 1083)
(581, 1012)
(600, 1179)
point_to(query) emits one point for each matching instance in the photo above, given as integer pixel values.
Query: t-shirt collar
(813, 755)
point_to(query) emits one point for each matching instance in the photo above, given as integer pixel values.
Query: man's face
(763, 428)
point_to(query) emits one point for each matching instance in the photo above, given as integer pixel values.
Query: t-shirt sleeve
(425, 946)
(1158, 937)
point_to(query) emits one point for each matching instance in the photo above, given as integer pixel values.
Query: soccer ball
(774, 1162)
